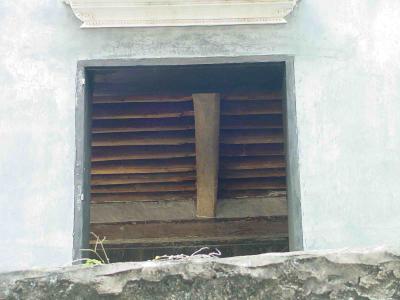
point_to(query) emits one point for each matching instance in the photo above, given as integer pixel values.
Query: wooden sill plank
(210, 230)
(184, 210)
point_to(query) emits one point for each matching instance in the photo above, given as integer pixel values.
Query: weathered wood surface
(210, 230)
(207, 115)
(142, 178)
(251, 149)
(142, 152)
(251, 122)
(253, 184)
(143, 138)
(141, 98)
(131, 197)
(185, 210)
(256, 173)
(256, 107)
(144, 166)
(252, 162)
(277, 95)
(142, 211)
(180, 98)
(251, 136)
(142, 110)
(237, 194)
(140, 125)
(145, 187)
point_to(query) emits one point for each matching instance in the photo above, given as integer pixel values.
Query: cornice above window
(142, 13)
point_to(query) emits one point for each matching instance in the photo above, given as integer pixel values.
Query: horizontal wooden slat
(142, 178)
(140, 125)
(259, 162)
(141, 98)
(251, 149)
(251, 122)
(144, 166)
(249, 194)
(277, 95)
(257, 173)
(251, 136)
(143, 138)
(142, 211)
(145, 187)
(142, 152)
(166, 196)
(252, 184)
(256, 107)
(252, 207)
(209, 230)
(185, 210)
(142, 110)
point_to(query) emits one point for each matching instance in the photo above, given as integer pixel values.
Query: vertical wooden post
(206, 111)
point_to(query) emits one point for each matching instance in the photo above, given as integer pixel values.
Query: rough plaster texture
(348, 103)
(324, 275)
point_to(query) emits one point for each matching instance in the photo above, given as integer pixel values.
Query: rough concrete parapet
(356, 274)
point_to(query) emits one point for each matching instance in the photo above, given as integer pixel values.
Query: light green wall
(348, 103)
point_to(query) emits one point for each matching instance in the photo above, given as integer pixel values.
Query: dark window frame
(82, 139)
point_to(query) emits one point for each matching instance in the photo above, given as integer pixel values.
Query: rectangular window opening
(182, 157)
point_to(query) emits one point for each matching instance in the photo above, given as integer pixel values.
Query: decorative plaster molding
(142, 13)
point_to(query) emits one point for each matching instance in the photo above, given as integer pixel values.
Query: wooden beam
(132, 197)
(210, 230)
(142, 178)
(144, 166)
(143, 138)
(207, 115)
(145, 187)
(142, 152)
(184, 210)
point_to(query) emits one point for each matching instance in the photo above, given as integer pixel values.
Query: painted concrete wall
(347, 68)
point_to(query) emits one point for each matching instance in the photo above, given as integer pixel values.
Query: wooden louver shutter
(143, 149)
(252, 161)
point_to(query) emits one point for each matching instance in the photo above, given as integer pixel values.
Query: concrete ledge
(355, 274)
